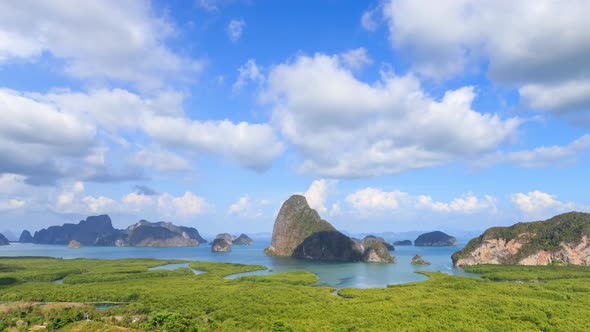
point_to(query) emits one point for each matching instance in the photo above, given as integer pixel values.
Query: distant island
(25, 237)
(300, 232)
(224, 241)
(435, 239)
(402, 243)
(563, 239)
(99, 231)
(3, 240)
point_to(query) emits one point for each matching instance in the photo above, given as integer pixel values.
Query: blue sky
(389, 115)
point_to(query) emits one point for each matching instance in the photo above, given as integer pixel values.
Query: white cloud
(537, 204)
(545, 156)
(524, 41)
(161, 116)
(317, 194)
(356, 59)
(248, 72)
(344, 127)
(160, 160)
(36, 138)
(564, 98)
(375, 199)
(253, 146)
(368, 20)
(11, 204)
(372, 201)
(114, 39)
(467, 204)
(209, 5)
(184, 206)
(235, 28)
(244, 207)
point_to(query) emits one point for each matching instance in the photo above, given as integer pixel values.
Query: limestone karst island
(256, 165)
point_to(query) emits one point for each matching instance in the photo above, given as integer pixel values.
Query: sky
(391, 115)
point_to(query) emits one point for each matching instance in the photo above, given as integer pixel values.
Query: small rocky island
(74, 245)
(418, 260)
(220, 245)
(243, 240)
(402, 243)
(300, 232)
(3, 240)
(563, 239)
(435, 239)
(25, 237)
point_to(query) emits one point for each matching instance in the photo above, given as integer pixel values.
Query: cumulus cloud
(64, 124)
(356, 59)
(245, 207)
(368, 21)
(253, 146)
(121, 40)
(549, 155)
(370, 201)
(317, 194)
(160, 160)
(540, 205)
(570, 99)
(248, 72)
(234, 29)
(36, 139)
(344, 127)
(11, 204)
(187, 205)
(523, 41)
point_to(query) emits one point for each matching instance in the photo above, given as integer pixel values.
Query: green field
(506, 298)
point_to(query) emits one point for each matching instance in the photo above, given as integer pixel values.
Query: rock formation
(295, 222)
(3, 240)
(220, 245)
(435, 239)
(25, 237)
(99, 231)
(370, 239)
(74, 245)
(418, 260)
(563, 239)
(226, 236)
(300, 232)
(402, 243)
(160, 234)
(243, 240)
(92, 231)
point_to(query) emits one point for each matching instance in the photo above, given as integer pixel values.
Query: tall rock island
(563, 239)
(300, 232)
(435, 239)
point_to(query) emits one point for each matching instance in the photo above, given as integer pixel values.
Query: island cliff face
(220, 244)
(563, 239)
(435, 239)
(96, 230)
(300, 232)
(99, 231)
(3, 240)
(243, 240)
(25, 237)
(295, 222)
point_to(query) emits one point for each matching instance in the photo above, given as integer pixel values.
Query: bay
(334, 274)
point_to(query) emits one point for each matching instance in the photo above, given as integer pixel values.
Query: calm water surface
(339, 275)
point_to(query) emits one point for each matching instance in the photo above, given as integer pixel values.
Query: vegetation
(544, 298)
(539, 235)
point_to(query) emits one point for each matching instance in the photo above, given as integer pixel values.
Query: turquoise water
(339, 275)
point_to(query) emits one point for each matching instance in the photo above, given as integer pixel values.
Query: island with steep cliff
(563, 240)
(3, 240)
(99, 231)
(300, 232)
(25, 237)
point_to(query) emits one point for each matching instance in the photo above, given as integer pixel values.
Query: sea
(334, 274)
